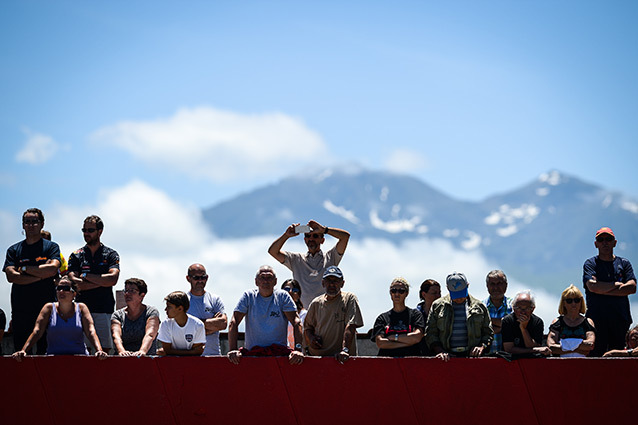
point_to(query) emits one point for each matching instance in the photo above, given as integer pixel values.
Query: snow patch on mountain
(396, 226)
(508, 215)
(553, 178)
(341, 211)
(542, 191)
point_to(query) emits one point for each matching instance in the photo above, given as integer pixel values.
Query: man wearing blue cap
(466, 328)
(331, 324)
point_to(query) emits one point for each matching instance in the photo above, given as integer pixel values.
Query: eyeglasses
(572, 300)
(291, 289)
(31, 221)
(64, 288)
(131, 291)
(200, 277)
(312, 235)
(605, 239)
(398, 291)
(519, 308)
(84, 230)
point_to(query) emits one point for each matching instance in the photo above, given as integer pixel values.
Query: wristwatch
(396, 337)
(631, 350)
(345, 350)
(325, 230)
(298, 347)
(23, 269)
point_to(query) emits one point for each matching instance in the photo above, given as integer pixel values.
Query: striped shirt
(459, 328)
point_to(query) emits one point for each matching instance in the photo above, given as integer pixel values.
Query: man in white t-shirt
(207, 307)
(181, 334)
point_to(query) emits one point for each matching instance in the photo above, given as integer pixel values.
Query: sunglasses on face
(200, 277)
(572, 300)
(85, 230)
(64, 288)
(289, 289)
(605, 239)
(312, 235)
(398, 291)
(31, 221)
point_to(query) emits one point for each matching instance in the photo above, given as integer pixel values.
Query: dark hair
(178, 298)
(34, 211)
(99, 224)
(67, 281)
(45, 234)
(138, 283)
(635, 328)
(294, 284)
(426, 285)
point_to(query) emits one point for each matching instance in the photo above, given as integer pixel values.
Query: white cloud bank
(158, 238)
(38, 148)
(217, 145)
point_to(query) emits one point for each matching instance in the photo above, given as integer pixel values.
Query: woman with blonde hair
(571, 334)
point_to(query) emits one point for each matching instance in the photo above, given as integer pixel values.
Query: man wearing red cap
(609, 280)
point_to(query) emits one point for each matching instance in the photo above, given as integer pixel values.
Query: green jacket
(441, 318)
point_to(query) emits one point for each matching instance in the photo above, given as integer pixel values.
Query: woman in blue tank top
(65, 322)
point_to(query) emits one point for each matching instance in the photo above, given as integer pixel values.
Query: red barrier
(185, 391)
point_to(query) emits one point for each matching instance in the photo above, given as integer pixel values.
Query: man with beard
(31, 266)
(331, 324)
(308, 268)
(95, 268)
(207, 307)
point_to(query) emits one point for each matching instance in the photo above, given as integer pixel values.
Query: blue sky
(190, 103)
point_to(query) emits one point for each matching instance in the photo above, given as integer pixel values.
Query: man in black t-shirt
(522, 330)
(30, 266)
(96, 268)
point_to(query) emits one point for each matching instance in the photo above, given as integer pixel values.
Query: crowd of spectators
(57, 311)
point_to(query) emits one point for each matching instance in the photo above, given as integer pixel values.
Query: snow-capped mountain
(540, 233)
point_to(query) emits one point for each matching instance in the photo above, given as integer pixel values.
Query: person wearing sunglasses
(609, 280)
(66, 323)
(31, 266)
(399, 331)
(308, 268)
(294, 289)
(95, 268)
(207, 307)
(134, 328)
(571, 334)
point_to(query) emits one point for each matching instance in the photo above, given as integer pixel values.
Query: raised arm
(341, 235)
(275, 248)
(41, 324)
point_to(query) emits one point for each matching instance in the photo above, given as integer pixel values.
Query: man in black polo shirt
(30, 266)
(523, 330)
(96, 268)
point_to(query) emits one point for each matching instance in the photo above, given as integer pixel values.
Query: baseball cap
(457, 285)
(605, 230)
(333, 271)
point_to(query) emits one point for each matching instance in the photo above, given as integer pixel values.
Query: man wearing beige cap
(608, 280)
(465, 329)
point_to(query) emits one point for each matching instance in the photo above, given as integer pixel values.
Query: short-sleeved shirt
(101, 299)
(511, 330)
(182, 338)
(329, 319)
(611, 306)
(391, 322)
(498, 313)
(206, 307)
(29, 299)
(266, 322)
(133, 331)
(307, 269)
